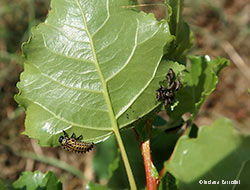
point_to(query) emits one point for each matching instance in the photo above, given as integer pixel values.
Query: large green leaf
(199, 81)
(37, 181)
(89, 68)
(218, 153)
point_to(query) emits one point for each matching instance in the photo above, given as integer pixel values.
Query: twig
(236, 58)
(37, 149)
(48, 160)
(53, 162)
(29, 164)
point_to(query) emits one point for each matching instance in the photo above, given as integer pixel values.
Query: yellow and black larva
(73, 145)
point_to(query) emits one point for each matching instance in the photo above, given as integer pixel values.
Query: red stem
(152, 182)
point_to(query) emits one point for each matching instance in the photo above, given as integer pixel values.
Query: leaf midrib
(105, 89)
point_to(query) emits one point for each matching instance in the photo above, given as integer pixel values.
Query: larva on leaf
(74, 144)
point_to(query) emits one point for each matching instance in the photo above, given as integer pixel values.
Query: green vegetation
(88, 73)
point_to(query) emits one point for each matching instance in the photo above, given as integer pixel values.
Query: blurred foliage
(34, 181)
(17, 18)
(37, 181)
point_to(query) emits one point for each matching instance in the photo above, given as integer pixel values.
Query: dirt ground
(221, 28)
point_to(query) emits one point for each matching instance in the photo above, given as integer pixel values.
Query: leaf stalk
(131, 178)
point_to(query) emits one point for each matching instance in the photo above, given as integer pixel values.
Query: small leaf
(87, 72)
(168, 182)
(199, 81)
(180, 30)
(154, 171)
(37, 181)
(218, 153)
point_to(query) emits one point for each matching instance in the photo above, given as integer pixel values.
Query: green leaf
(94, 186)
(162, 147)
(87, 72)
(37, 181)
(159, 121)
(199, 81)
(168, 182)
(154, 171)
(218, 153)
(180, 30)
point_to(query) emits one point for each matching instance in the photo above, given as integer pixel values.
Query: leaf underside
(90, 67)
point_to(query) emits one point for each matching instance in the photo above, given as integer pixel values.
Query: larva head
(62, 139)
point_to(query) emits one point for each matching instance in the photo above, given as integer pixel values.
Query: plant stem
(151, 179)
(152, 182)
(131, 178)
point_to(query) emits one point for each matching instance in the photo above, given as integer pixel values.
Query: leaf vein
(106, 94)
(59, 54)
(66, 36)
(66, 86)
(111, 42)
(66, 121)
(130, 56)
(106, 20)
(119, 114)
